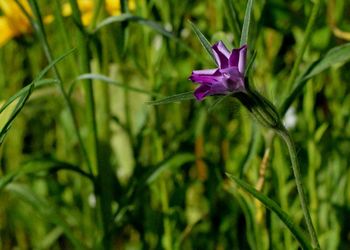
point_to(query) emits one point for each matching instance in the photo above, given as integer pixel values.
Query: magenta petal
(206, 76)
(242, 59)
(201, 92)
(238, 58)
(205, 72)
(221, 54)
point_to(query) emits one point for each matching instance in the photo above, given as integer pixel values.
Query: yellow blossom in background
(114, 9)
(86, 8)
(13, 22)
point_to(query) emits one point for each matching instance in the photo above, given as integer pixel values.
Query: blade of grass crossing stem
(246, 23)
(204, 42)
(273, 206)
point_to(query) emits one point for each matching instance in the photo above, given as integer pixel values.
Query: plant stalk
(298, 180)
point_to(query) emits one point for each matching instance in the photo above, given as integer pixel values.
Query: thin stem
(298, 180)
(103, 170)
(40, 31)
(307, 35)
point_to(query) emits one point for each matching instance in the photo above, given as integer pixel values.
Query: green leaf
(336, 55)
(20, 104)
(273, 206)
(246, 23)
(174, 98)
(24, 94)
(206, 44)
(24, 90)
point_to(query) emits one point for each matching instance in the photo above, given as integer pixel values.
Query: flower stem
(296, 170)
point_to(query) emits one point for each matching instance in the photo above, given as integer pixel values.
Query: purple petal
(201, 92)
(233, 79)
(221, 54)
(206, 76)
(242, 59)
(238, 58)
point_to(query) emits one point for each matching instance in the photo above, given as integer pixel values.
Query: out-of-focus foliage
(165, 165)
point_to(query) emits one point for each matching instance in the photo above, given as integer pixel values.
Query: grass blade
(106, 79)
(246, 23)
(174, 98)
(336, 55)
(128, 17)
(273, 206)
(206, 44)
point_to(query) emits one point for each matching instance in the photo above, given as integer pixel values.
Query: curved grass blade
(273, 206)
(246, 23)
(106, 79)
(204, 41)
(174, 98)
(20, 104)
(24, 95)
(38, 166)
(336, 55)
(128, 17)
(24, 90)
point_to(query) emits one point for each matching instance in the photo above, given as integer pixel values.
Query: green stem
(298, 180)
(103, 190)
(307, 35)
(40, 31)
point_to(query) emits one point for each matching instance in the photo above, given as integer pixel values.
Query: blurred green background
(153, 177)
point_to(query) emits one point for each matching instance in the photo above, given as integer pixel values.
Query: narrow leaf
(106, 79)
(25, 90)
(128, 17)
(20, 104)
(273, 206)
(246, 23)
(174, 98)
(337, 55)
(206, 44)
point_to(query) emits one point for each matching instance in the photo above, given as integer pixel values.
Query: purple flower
(227, 78)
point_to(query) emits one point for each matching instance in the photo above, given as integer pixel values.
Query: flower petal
(221, 54)
(201, 92)
(238, 58)
(208, 76)
(233, 79)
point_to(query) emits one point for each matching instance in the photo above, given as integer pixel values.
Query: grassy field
(103, 146)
